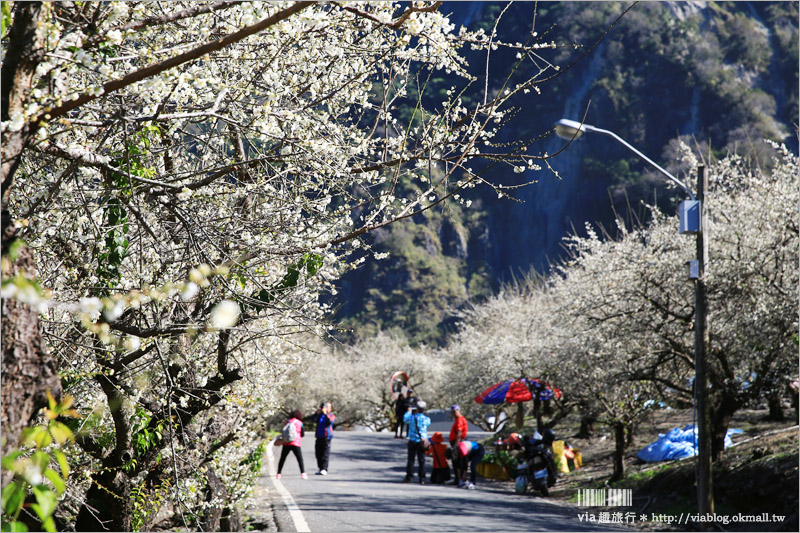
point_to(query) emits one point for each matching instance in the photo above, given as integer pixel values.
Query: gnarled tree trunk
(28, 370)
(620, 442)
(722, 407)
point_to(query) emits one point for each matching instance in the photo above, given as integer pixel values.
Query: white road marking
(300, 523)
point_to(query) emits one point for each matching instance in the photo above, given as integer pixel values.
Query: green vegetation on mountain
(721, 76)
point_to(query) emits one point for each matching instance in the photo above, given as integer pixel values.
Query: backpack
(289, 432)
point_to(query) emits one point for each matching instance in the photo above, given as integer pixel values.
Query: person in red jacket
(441, 469)
(459, 430)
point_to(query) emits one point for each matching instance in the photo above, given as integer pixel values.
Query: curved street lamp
(691, 215)
(571, 129)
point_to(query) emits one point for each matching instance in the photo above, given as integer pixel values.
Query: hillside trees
(180, 183)
(641, 303)
(639, 292)
(714, 96)
(596, 358)
(621, 310)
(355, 378)
(507, 337)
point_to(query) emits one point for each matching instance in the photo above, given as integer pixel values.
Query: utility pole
(705, 491)
(692, 216)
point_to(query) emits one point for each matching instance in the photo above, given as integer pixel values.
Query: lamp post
(692, 220)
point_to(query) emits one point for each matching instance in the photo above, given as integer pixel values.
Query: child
(441, 469)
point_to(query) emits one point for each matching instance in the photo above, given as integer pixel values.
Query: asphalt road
(364, 492)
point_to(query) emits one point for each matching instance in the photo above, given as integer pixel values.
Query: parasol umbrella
(517, 390)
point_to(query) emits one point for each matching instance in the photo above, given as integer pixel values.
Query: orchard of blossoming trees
(613, 326)
(181, 181)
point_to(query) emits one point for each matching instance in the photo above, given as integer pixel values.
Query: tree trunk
(630, 433)
(722, 407)
(28, 370)
(108, 504)
(587, 429)
(23, 54)
(619, 451)
(775, 407)
(215, 496)
(231, 520)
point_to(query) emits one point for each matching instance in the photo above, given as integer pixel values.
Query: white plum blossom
(190, 291)
(224, 315)
(132, 343)
(231, 178)
(16, 123)
(114, 37)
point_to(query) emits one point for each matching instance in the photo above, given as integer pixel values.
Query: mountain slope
(720, 75)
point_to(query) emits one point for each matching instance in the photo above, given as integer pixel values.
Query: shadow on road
(364, 491)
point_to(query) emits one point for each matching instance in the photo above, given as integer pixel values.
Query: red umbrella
(517, 390)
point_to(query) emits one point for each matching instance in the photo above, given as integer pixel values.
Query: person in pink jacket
(293, 445)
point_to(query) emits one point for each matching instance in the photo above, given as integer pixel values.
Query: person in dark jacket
(324, 434)
(411, 400)
(400, 408)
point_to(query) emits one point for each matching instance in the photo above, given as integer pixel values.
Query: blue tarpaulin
(677, 444)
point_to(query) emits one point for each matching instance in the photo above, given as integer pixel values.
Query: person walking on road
(291, 440)
(324, 435)
(468, 452)
(418, 423)
(459, 430)
(400, 408)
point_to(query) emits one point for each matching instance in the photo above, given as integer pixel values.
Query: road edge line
(300, 524)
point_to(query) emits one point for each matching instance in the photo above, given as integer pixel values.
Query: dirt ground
(758, 474)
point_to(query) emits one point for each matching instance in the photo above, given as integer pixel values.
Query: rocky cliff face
(720, 75)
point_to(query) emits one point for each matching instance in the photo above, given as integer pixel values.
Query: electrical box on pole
(694, 269)
(689, 216)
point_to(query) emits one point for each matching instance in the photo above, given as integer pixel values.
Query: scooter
(537, 470)
(541, 470)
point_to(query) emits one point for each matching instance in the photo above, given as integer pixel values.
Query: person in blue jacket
(417, 422)
(324, 434)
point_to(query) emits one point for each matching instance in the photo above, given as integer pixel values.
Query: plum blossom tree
(606, 331)
(181, 181)
(509, 336)
(636, 304)
(613, 325)
(356, 379)
(636, 295)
